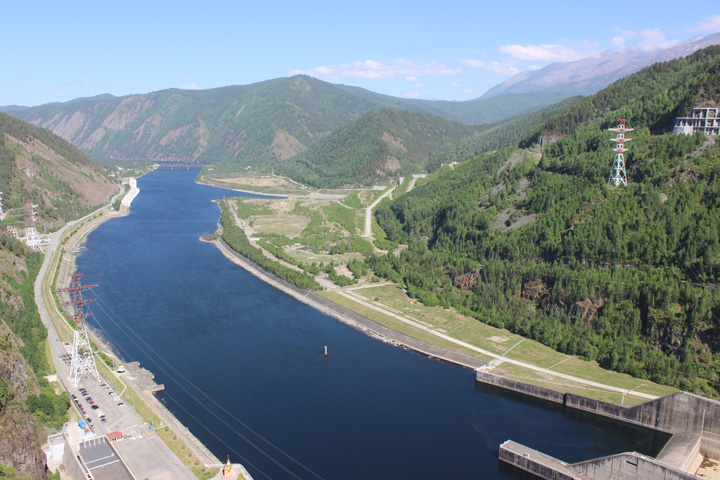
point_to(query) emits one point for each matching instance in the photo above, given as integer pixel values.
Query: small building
(100, 461)
(701, 119)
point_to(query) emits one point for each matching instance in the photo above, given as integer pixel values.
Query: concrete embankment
(624, 466)
(694, 422)
(129, 197)
(349, 317)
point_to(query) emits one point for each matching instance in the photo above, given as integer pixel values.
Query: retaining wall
(680, 412)
(521, 387)
(625, 466)
(630, 466)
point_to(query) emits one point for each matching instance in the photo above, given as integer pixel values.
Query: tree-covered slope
(38, 165)
(377, 148)
(495, 137)
(626, 276)
(653, 97)
(262, 123)
(35, 164)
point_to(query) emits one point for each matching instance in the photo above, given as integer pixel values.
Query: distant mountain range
(259, 124)
(592, 74)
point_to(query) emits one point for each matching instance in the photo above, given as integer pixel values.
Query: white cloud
(411, 78)
(413, 95)
(190, 86)
(622, 36)
(61, 95)
(492, 66)
(84, 81)
(710, 24)
(542, 53)
(654, 39)
(372, 69)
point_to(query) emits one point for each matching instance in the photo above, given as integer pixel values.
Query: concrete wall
(521, 387)
(677, 413)
(72, 464)
(625, 466)
(534, 462)
(630, 466)
(681, 451)
(680, 412)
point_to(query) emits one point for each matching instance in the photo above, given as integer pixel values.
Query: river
(244, 368)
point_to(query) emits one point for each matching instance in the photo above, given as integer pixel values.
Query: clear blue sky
(449, 50)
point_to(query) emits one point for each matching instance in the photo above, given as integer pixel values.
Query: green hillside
(259, 124)
(38, 165)
(377, 148)
(625, 276)
(501, 135)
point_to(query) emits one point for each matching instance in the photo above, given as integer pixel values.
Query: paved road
(120, 418)
(369, 210)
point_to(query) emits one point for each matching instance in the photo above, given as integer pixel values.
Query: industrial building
(701, 119)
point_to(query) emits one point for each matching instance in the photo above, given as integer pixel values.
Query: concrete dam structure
(692, 420)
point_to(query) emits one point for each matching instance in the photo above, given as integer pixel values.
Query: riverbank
(57, 268)
(347, 316)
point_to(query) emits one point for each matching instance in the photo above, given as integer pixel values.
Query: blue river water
(244, 368)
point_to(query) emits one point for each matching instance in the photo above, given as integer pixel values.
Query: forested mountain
(589, 75)
(265, 122)
(378, 147)
(495, 137)
(38, 165)
(627, 276)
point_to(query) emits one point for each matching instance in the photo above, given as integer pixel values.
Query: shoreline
(346, 316)
(75, 241)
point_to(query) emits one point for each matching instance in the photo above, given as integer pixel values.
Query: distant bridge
(179, 165)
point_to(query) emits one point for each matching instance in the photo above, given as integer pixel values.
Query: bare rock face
(19, 438)
(19, 441)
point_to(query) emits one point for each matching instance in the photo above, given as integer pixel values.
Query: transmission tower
(82, 362)
(617, 176)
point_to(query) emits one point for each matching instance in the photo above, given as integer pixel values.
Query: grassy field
(499, 342)
(322, 228)
(251, 182)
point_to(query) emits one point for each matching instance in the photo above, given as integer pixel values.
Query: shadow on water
(644, 440)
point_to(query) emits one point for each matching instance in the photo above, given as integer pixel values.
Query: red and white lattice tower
(618, 176)
(2, 212)
(30, 231)
(82, 362)
(32, 238)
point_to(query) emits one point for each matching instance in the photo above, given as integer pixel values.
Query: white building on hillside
(703, 119)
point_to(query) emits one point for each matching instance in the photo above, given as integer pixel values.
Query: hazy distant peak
(591, 74)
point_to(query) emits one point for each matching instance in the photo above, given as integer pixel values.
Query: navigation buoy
(326, 350)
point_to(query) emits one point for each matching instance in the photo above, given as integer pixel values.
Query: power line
(177, 374)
